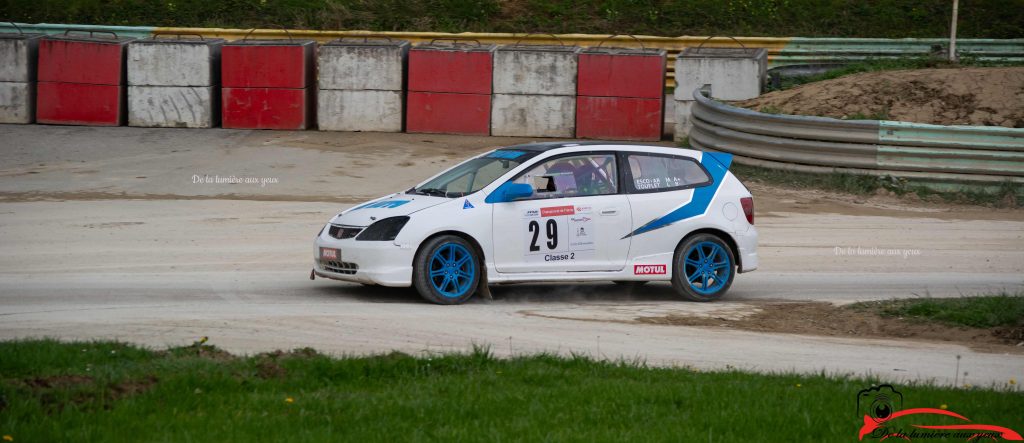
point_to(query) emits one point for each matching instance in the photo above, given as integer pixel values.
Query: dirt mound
(956, 96)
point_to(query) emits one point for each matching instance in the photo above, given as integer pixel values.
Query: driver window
(575, 176)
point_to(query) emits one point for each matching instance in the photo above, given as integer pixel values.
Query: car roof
(547, 146)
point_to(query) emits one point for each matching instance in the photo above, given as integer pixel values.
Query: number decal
(559, 234)
(552, 228)
(535, 230)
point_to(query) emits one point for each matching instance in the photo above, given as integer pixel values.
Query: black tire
(682, 284)
(630, 284)
(433, 252)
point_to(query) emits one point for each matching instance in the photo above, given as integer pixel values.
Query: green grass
(104, 391)
(1005, 195)
(886, 64)
(825, 18)
(977, 311)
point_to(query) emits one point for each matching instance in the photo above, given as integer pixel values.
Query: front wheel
(446, 270)
(704, 267)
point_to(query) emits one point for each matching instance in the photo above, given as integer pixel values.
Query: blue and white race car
(552, 212)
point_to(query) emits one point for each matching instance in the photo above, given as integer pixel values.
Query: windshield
(473, 175)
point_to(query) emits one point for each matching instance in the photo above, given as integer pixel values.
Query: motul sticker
(557, 210)
(649, 269)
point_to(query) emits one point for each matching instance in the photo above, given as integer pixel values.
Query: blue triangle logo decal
(467, 205)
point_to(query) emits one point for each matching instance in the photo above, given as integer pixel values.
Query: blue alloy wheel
(452, 270)
(707, 267)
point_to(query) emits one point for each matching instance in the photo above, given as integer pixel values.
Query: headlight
(383, 230)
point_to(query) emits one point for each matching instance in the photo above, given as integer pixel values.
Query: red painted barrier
(268, 84)
(450, 88)
(621, 75)
(447, 113)
(620, 94)
(619, 118)
(266, 108)
(82, 80)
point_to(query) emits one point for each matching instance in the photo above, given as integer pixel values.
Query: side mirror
(510, 192)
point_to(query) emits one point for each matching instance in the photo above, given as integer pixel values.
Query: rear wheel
(446, 270)
(704, 267)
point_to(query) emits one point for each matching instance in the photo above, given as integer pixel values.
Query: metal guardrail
(782, 51)
(961, 154)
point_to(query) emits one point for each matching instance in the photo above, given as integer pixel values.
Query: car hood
(391, 206)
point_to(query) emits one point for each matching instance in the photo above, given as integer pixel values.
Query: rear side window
(658, 173)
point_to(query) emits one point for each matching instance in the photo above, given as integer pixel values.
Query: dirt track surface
(105, 236)
(953, 96)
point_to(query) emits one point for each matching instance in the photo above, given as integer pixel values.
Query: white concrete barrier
(173, 106)
(18, 60)
(361, 82)
(733, 73)
(536, 70)
(533, 115)
(174, 83)
(344, 110)
(535, 91)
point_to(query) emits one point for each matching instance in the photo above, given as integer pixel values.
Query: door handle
(610, 211)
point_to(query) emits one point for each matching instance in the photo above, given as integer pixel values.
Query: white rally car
(552, 212)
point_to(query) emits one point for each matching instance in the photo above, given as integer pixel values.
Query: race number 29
(551, 233)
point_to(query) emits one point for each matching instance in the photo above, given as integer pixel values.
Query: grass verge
(107, 391)
(987, 311)
(1007, 195)
(832, 18)
(886, 64)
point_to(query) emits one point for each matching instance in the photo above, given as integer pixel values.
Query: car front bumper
(371, 262)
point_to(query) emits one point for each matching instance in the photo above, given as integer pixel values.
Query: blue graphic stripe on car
(382, 204)
(717, 164)
(507, 155)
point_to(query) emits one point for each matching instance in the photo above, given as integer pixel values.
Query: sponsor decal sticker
(529, 213)
(557, 210)
(467, 205)
(330, 254)
(650, 269)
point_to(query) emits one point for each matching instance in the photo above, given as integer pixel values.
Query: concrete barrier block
(377, 65)
(267, 108)
(172, 106)
(432, 112)
(64, 103)
(378, 111)
(83, 60)
(452, 68)
(683, 124)
(163, 62)
(287, 64)
(18, 56)
(733, 73)
(533, 115)
(619, 118)
(17, 102)
(538, 70)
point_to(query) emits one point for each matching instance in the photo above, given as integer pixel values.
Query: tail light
(748, 208)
